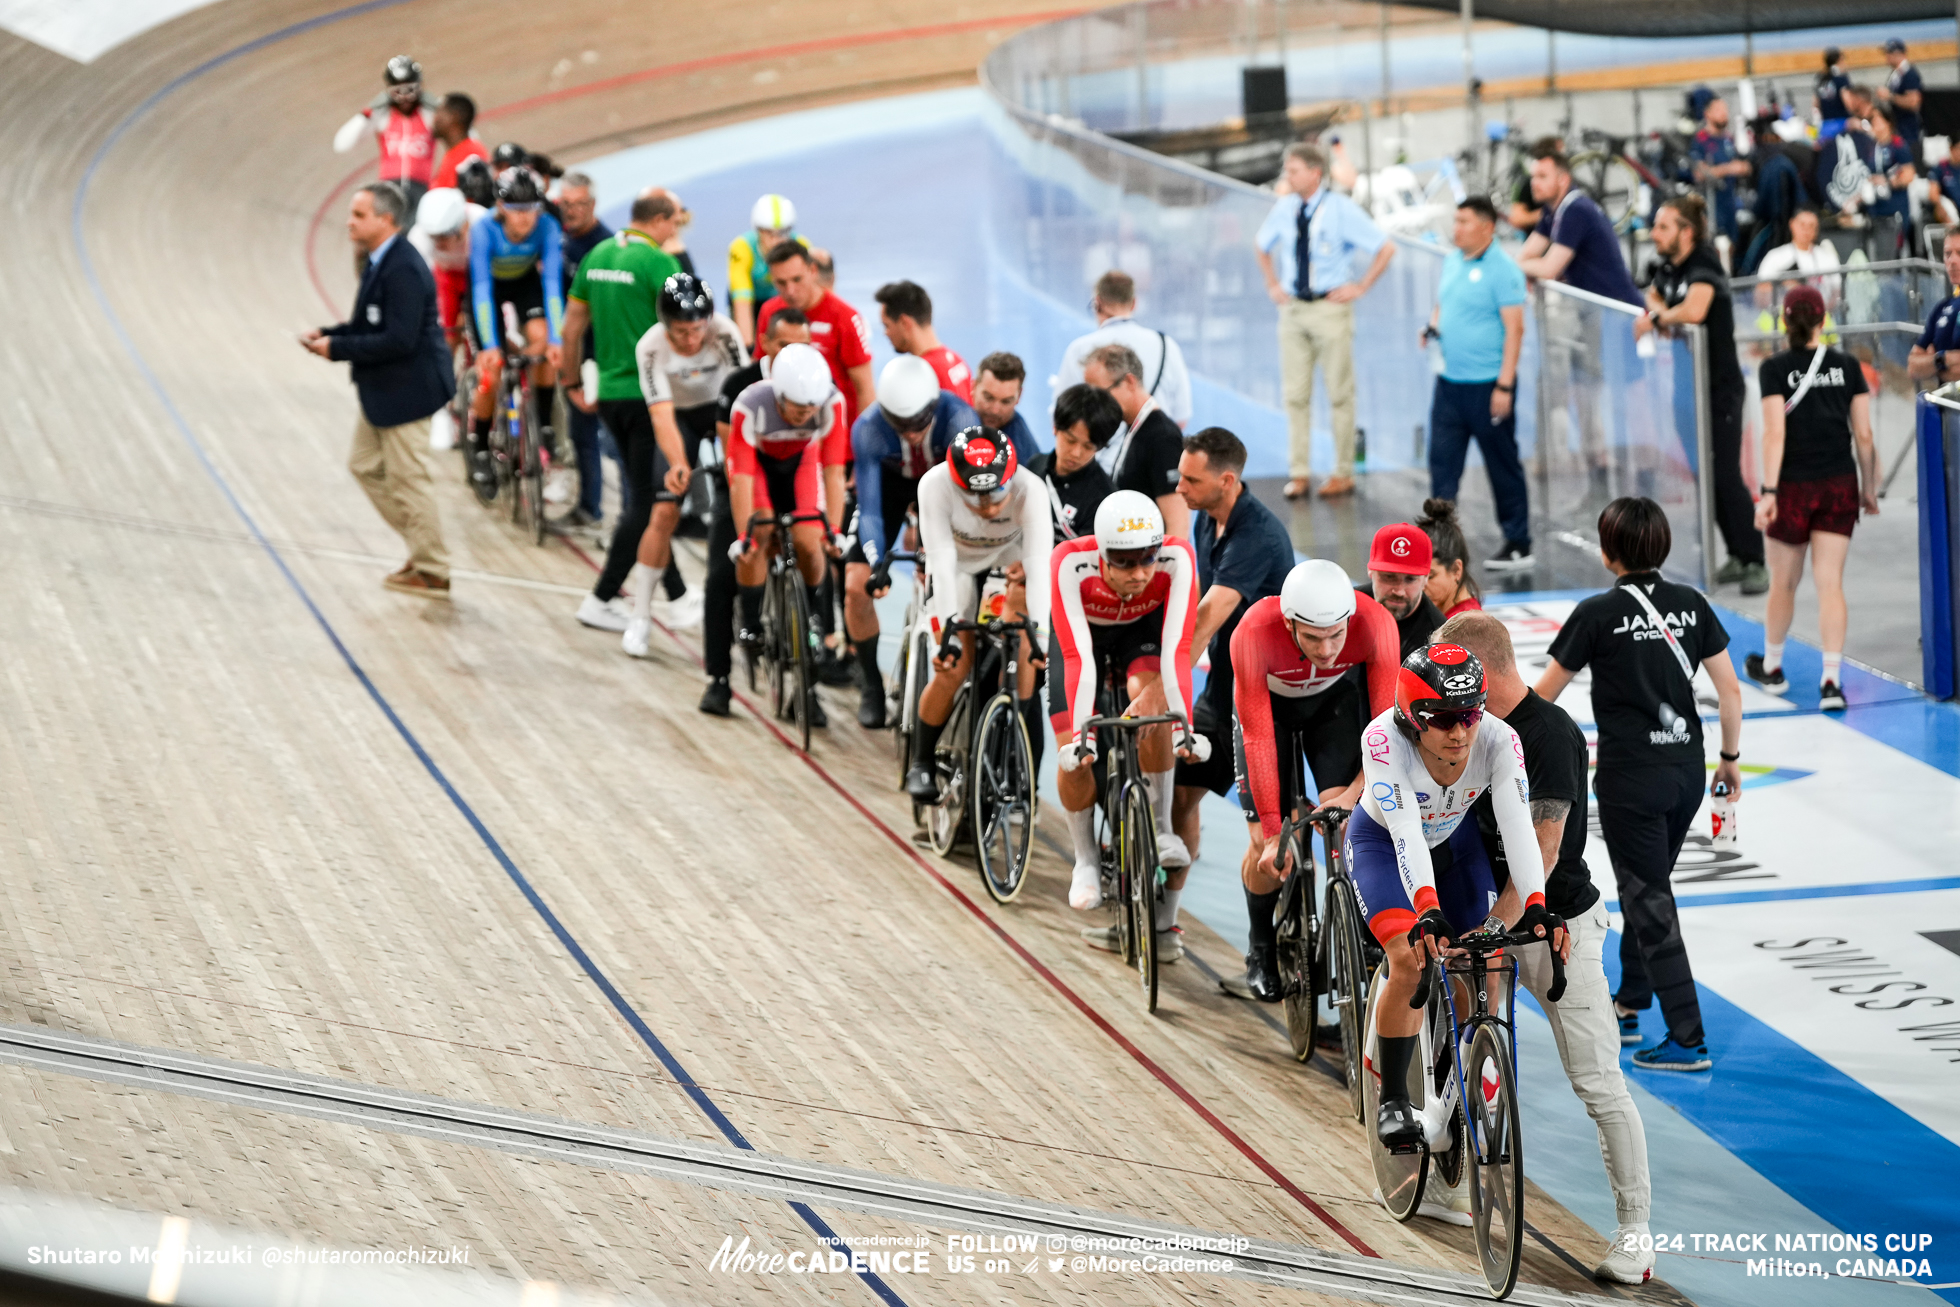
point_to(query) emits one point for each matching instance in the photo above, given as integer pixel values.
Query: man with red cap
(1398, 568)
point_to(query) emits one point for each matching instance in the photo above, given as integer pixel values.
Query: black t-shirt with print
(1817, 432)
(1149, 460)
(1643, 702)
(1702, 267)
(1081, 491)
(1555, 768)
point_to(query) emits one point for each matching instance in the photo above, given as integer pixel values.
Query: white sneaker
(684, 613)
(634, 642)
(558, 486)
(1085, 889)
(442, 430)
(1171, 853)
(613, 615)
(1626, 1261)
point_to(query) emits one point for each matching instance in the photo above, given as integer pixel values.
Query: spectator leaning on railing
(1115, 306)
(1480, 317)
(1690, 287)
(1575, 242)
(1307, 247)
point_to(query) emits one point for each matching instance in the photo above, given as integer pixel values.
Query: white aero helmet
(1318, 593)
(907, 387)
(443, 211)
(1128, 519)
(800, 375)
(772, 213)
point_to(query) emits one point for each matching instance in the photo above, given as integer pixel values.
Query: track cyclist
(787, 447)
(979, 509)
(1419, 865)
(1298, 663)
(515, 259)
(1124, 599)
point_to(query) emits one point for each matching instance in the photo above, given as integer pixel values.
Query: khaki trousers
(1320, 333)
(392, 465)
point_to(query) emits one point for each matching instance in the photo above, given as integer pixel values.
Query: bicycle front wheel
(1347, 984)
(1003, 798)
(802, 671)
(1294, 949)
(1495, 1149)
(1138, 833)
(774, 646)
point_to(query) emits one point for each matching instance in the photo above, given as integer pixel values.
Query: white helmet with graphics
(800, 375)
(772, 213)
(1318, 593)
(1128, 520)
(443, 211)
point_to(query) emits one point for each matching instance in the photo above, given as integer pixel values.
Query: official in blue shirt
(1902, 95)
(1244, 554)
(1936, 356)
(1831, 83)
(1716, 164)
(1480, 317)
(1311, 248)
(1575, 242)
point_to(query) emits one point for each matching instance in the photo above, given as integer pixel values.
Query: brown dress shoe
(1297, 488)
(413, 582)
(401, 573)
(1335, 486)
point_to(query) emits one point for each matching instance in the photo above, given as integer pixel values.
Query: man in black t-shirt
(787, 327)
(1085, 419)
(1148, 449)
(1582, 1020)
(1690, 287)
(1398, 571)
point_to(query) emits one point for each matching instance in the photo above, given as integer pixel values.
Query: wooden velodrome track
(261, 809)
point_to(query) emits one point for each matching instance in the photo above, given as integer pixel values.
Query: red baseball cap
(1400, 547)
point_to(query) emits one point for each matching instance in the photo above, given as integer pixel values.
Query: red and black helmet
(1439, 685)
(982, 461)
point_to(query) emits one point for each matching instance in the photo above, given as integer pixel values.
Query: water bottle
(1721, 815)
(1434, 351)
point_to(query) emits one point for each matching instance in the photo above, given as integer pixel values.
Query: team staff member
(836, 329)
(1582, 1021)
(1716, 165)
(1307, 248)
(578, 210)
(1479, 316)
(997, 397)
(1244, 555)
(454, 118)
(905, 312)
(1643, 640)
(1115, 306)
(896, 442)
(1903, 95)
(1398, 580)
(1148, 451)
(772, 221)
(1935, 356)
(718, 614)
(1085, 420)
(1290, 685)
(617, 290)
(1451, 586)
(683, 360)
(402, 374)
(1690, 286)
(1816, 406)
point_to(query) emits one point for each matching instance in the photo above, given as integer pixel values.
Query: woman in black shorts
(1815, 407)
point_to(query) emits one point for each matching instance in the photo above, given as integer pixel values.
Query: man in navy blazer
(402, 374)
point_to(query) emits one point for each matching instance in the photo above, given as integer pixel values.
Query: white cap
(772, 213)
(1318, 593)
(800, 375)
(907, 386)
(1128, 519)
(443, 211)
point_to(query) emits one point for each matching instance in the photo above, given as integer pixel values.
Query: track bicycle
(1466, 1039)
(788, 648)
(913, 669)
(1327, 954)
(516, 459)
(1129, 857)
(984, 761)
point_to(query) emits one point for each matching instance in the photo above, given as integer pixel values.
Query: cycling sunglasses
(1444, 719)
(1129, 560)
(993, 496)
(509, 207)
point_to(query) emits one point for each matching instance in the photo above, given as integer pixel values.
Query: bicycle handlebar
(1480, 944)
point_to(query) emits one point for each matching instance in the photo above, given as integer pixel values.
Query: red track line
(689, 66)
(1034, 964)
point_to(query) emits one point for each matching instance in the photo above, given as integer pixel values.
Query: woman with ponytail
(1451, 587)
(1816, 410)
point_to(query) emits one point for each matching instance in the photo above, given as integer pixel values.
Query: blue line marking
(1810, 892)
(817, 1224)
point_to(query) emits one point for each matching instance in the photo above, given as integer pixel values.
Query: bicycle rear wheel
(1399, 1176)
(802, 670)
(1347, 984)
(1495, 1150)
(1294, 951)
(946, 820)
(1139, 836)
(914, 657)
(1003, 797)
